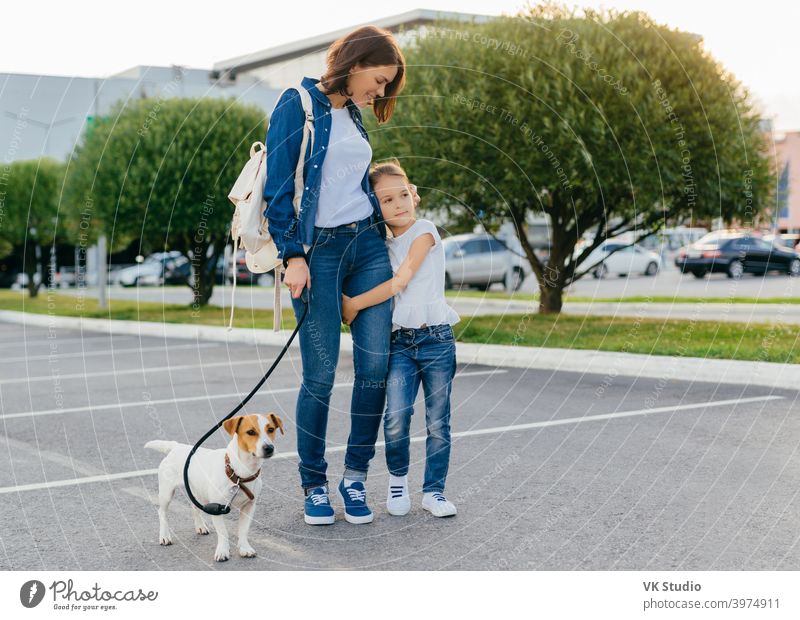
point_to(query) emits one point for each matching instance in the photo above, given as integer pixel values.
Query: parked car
(789, 240)
(736, 253)
(8, 276)
(66, 277)
(219, 271)
(480, 260)
(177, 271)
(670, 240)
(223, 272)
(151, 271)
(245, 276)
(22, 280)
(621, 258)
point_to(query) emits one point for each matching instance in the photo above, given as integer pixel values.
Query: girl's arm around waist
(416, 255)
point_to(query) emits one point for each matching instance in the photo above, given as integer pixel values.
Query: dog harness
(238, 480)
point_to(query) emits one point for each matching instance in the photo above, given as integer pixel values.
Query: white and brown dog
(228, 476)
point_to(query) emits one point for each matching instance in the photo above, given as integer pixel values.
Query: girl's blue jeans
(426, 355)
(351, 259)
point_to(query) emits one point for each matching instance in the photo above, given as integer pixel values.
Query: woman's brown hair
(368, 46)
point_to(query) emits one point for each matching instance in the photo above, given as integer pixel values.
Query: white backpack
(249, 226)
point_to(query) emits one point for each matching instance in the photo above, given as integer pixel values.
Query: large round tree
(606, 123)
(30, 217)
(159, 171)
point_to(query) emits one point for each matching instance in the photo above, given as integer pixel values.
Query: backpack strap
(235, 274)
(276, 300)
(308, 135)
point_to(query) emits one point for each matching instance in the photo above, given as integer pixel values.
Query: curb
(606, 363)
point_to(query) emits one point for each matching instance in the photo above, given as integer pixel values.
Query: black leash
(213, 508)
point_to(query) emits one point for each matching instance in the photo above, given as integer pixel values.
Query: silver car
(150, 272)
(480, 260)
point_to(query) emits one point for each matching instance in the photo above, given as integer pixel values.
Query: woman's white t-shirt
(422, 302)
(342, 199)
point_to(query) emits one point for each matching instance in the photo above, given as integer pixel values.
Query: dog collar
(238, 480)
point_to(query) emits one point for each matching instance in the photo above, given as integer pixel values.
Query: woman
(340, 223)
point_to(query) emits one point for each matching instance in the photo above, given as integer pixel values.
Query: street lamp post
(102, 273)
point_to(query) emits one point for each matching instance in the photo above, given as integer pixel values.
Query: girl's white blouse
(422, 302)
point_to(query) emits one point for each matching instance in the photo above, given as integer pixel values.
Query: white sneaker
(398, 501)
(436, 504)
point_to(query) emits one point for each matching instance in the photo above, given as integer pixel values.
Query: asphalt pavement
(549, 470)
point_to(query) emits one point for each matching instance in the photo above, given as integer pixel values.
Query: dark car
(245, 276)
(219, 271)
(8, 276)
(736, 253)
(177, 271)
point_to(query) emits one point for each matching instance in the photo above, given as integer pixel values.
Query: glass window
(475, 246)
(495, 246)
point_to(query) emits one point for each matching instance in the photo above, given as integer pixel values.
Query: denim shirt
(284, 136)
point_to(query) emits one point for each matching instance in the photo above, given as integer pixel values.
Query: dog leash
(214, 508)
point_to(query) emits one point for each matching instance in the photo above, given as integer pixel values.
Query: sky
(88, 38)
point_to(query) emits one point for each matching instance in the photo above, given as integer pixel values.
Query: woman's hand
(415, 194)
(297, 276)
(349, 311)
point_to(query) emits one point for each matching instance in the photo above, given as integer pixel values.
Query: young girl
(422, 347)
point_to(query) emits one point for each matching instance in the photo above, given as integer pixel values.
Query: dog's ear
(276, 420)
(232, 425)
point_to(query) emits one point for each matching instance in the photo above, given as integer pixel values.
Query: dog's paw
(222, 554)
(165, 536)
(202, 530)
(246, 551)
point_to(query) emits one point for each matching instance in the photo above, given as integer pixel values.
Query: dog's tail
(162, 446)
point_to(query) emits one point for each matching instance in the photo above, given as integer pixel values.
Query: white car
(625, 261)
(149, 272)
(480, 260)
(22, 280)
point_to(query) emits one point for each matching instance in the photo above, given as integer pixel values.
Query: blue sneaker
(318, 509)
(354, 498)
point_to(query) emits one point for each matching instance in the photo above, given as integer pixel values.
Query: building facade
(45, 116)
(282, 66)
(787, 216)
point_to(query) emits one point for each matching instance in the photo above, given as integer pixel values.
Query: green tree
(31, 217)
(159, 171)
(606, 123)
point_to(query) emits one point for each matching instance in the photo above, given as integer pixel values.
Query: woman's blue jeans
(350, 259)
(425, 355)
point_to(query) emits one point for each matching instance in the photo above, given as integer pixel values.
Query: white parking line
(73, 481)
(619, 414)
(32, 358)
(28, 340)
(187, 399)
(417, 439)
(134, 371)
